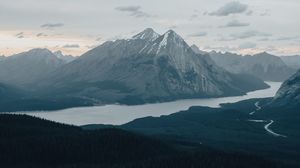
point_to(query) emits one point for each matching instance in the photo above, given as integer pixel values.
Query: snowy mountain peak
(171, 37)
(147, 34)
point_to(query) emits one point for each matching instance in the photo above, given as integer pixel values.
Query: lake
(121, 114)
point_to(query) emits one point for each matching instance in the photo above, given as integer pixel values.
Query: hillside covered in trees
(31, 142)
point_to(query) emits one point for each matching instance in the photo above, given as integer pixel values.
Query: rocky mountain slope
(28, 67)
(146, 68)
(263, 65)
(289, 93)
(2, 57)
(292, 61)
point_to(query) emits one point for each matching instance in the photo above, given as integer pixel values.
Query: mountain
(197, 50)
(148, 34)
(8, 92)
(2, 57)
(146, 68)
(292, 61)
(289, 93)
(65, 58)
(263, 65)
(28, 67)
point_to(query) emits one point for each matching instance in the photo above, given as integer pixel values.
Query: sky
(76, 26)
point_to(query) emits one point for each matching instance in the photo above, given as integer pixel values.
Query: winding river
(121, 114)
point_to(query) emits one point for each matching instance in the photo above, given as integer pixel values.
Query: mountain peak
(58, 52)
(173, 34)
(39, 50)
(65, 58)
(147, 34)
(171, 37)
(263, 54)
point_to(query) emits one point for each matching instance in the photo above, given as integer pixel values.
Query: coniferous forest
(32, 142)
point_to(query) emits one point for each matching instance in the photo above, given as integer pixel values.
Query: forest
(32, 142)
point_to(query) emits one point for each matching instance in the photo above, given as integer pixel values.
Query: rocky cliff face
(289, 93)
(146, 68)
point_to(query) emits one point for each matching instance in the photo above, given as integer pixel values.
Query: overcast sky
(75, 26)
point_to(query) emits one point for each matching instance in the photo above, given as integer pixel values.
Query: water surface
(121, 114)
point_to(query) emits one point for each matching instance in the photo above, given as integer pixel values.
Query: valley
(121, 114)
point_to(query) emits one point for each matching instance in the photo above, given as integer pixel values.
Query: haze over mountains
(292, 61)
(28, 67)
(263, 65)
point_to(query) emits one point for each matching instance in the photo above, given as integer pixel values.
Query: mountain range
(29, 67)
(149, 67)
(292, 61)
(146, 68)
(263, 65)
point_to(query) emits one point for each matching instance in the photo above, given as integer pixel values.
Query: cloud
(52, 25)
(222, 38)
(41, 35)
(20, 35)
(233, 7)
(235, 23)
(247, 45)
(287, 38)
(264, 39)
(220, 48)
(133, 11)
(199, 34)
(248, 34)
(71, 46)
(91, 46)
(249, 13)
(99, 39)
(194, 16)
(173, 27)
(265, 13)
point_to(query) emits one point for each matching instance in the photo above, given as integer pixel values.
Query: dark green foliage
(31, 142)
(246, 106)
(228, 129)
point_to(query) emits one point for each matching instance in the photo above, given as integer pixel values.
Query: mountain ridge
(263, 65)
(137, 70)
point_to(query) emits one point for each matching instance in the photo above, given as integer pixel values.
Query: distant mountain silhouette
(263, 65)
